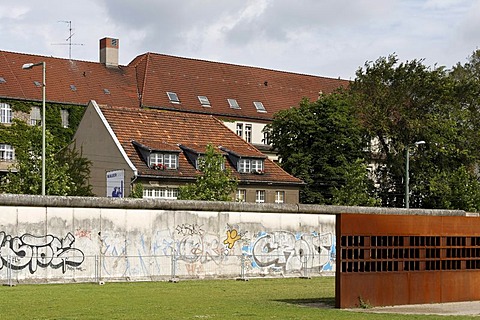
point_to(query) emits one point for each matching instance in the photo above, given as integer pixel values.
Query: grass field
(207, 299)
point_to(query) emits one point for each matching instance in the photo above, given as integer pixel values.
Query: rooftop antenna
(69, 39)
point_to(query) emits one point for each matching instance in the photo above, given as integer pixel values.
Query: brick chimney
(109, 52)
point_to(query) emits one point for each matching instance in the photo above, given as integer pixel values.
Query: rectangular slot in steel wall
(406, 259)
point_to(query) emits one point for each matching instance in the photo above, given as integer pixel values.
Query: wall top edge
(216, 206)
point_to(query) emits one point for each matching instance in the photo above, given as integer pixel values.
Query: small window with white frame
(6, 152)
(260, 196)
(173, 97)
(266, 137)
(259, 106)
(35, 116)
(246, 165)
(240, 129)
(257, 165)
(233, 104)
(204, 101)
(5, 113)
(160, 193)
(248, 133)
(64, 115)
(161, 161)
(241, 195)
(279, 196)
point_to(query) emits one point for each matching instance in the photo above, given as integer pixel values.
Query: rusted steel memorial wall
(407, 259)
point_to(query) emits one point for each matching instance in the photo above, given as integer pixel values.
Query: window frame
(241, 195)
(259, 106)
(64, 116)
(171, 95)
(233, 103)
(35, 116)
(167, 160)
(160, 193)
(279, 196)
(6, 113)
(248, 132)
(7, 152)
(259, 196)
(204, 101)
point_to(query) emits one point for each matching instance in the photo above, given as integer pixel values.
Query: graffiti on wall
(198, 251)
(290, 252)
(30, 251)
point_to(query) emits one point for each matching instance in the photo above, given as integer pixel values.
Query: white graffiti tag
(17, 253)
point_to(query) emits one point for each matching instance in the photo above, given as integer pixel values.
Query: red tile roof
(190, 78)
(146, 80)
(89, 78)
(156, 129)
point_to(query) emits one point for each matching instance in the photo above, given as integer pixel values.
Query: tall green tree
(317, 142)
(215, 182)
(67, 172)
(400, 103)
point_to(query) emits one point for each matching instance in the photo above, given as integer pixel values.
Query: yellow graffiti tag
(232, 237)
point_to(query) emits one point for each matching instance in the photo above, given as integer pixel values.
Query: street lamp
(407, 174)
(44, 65)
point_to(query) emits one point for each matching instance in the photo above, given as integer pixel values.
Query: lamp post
(44, 65)
(407, 173)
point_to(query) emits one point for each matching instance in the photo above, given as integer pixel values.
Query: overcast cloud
(321, 37)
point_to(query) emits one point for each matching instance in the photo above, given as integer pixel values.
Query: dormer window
(173, 97)
(250, 166)
(161, 161)
(259, 106)
(233, 104)
(204, 101)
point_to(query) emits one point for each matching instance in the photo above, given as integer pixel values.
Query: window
(204, 101)
(35, 116)
(233, 104)
(244, 165)
(241, 195)
(172, 96)
(6, 152)
(73, 87)
(163, 161)
(37, 84)
(106, 91)
(266, 137)
(279, 196)
(257, 165)
(250, 165)
(260, 196)
(170, 161)
(5, 113)
(64, 116)
(259, 106)
(2, 80)
(160, 193)
(240, 129)
(248, 133)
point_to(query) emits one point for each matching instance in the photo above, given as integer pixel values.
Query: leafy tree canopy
(67, 172)
(400, 103)
(214, 184)
(318, 142)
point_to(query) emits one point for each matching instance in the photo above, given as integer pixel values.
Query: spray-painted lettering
(30, 251)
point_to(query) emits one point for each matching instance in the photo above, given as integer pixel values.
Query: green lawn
(207, 299)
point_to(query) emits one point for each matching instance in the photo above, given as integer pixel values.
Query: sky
(331, 38)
